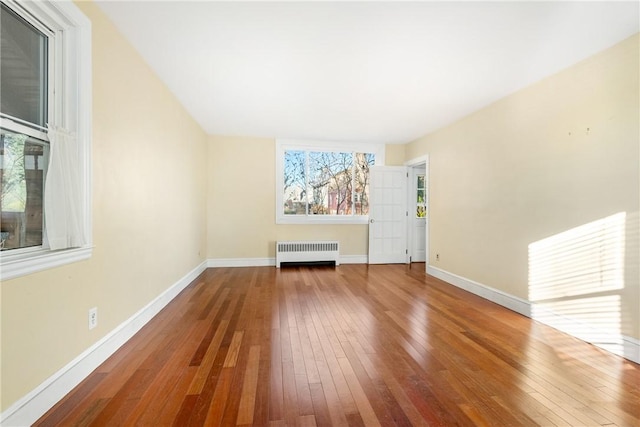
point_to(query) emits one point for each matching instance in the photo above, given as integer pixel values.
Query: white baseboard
(629, 348)
(615, 343)
(502, 298)
(36, 403)
(271, 262)
(241, 262)
(354, 259)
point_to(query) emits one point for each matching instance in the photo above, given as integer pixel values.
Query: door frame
(419, 162)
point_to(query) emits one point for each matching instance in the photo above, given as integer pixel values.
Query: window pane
(420, 181)
(330, 183)
(361, 193)
(22, 183)
(23, 69)
(323, 183)
(295, 188)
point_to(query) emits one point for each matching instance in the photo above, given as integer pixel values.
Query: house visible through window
(324, 182)
(24, 85)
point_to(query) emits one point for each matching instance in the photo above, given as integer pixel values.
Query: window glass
(363, 161)
(330, 181)
(322, 183)
(295, 187)
(22, 180)
(421, 197)
(23, 69)
(24, 82)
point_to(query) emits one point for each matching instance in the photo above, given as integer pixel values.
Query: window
(324, 183)
(23, 165)
(421, 197)
(24, 85)
(45, 129)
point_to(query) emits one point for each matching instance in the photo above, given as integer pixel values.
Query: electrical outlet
(437, 257)
(93, 317)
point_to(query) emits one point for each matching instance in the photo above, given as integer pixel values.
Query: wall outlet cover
(93, 317)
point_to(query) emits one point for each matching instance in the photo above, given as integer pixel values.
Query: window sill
(12, 266)
(321, 220)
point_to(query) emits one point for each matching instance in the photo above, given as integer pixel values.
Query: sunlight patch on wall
(574, 281)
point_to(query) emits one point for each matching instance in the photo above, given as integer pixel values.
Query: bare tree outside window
(295, 186)
(326, 183)
(362, 164)
(22, 186)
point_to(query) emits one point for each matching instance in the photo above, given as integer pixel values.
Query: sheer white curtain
(62, 193)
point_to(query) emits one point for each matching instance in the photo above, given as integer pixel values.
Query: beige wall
(241, 216)
(149, 182)
(394, 155)
(562, 153)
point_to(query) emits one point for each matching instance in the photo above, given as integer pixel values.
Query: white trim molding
(16, 266)
(37, 402)
(241, 262)
(354, 259)
(418, 161)
(501, 298)
(629, 347)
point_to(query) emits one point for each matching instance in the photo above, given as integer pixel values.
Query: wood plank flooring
(355, 345)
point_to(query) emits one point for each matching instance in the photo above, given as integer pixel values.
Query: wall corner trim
(36, 403)
(630, 346)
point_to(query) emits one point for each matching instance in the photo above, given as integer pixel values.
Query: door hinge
(407, 213)
(406, 251)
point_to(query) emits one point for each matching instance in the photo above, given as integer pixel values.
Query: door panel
(419, 243)
(388, 215)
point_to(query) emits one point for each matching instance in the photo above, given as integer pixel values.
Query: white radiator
(307, 251)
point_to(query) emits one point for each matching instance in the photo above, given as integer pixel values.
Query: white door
(418, 215)
(388, 215)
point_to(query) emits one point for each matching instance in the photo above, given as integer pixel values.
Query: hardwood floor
(355, 345)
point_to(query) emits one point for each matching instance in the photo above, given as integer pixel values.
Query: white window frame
(283, 145)
(70, 103)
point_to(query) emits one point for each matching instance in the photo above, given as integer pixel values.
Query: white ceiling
(358, 71)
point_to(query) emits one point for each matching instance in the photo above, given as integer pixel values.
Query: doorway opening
(418, 211)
